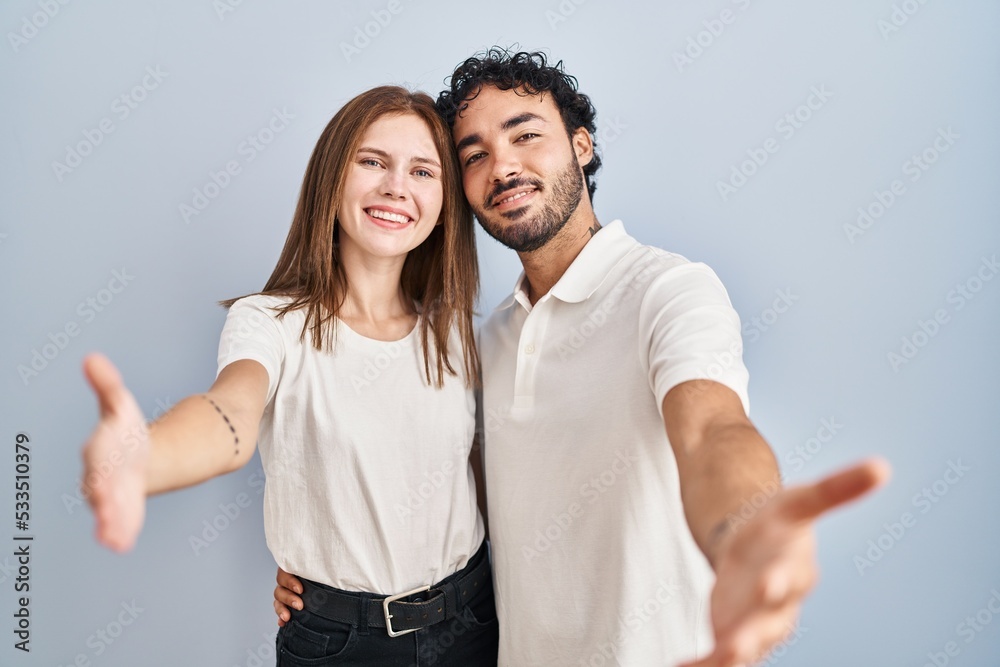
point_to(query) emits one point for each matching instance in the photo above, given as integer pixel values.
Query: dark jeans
(468, 640)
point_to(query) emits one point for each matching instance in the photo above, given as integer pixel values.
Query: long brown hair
(441, 274)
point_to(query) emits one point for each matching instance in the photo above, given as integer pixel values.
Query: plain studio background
(836, 164)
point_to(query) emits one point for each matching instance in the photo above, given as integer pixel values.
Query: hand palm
(115, 457)
(766, 568)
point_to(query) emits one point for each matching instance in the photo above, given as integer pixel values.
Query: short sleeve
(253, 332)
(688, 330)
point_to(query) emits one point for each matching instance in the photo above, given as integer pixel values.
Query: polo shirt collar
(587, 272)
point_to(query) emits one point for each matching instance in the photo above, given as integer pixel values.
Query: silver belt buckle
(388, 616)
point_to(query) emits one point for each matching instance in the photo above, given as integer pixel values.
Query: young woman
(355, 369)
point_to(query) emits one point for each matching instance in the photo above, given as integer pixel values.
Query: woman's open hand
(114, 458)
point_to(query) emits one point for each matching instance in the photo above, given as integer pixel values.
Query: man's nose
(505, 166)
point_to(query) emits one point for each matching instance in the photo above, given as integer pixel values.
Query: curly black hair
(530, 71)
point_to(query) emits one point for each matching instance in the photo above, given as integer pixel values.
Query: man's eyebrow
(467, 141)
(519, 119)
(381, 153)
(508, 124)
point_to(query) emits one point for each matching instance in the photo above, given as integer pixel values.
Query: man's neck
(545, 266)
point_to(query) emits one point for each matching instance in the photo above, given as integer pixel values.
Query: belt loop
(452, 599)
(363, 622)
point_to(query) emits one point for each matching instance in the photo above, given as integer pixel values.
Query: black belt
(389, 611)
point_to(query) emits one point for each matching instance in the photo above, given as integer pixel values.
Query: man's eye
(473, 158)
(527, 135)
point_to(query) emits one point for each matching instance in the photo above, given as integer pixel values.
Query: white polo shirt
(593, 560)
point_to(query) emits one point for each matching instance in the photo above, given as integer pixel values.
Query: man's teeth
(516, 197)
(386, 215)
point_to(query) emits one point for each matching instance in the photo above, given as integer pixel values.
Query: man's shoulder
(655, 258)
(647, 265)
(649, 277)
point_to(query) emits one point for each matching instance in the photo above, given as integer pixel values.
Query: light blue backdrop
(745, 134)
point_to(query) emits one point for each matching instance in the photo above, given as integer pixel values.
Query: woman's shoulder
(268, 301)
(270, 306)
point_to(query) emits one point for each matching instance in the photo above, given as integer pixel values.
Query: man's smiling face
(521, 172)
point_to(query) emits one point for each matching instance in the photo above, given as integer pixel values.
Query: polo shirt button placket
(532, 333)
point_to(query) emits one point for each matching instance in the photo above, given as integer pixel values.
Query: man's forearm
(726, 469)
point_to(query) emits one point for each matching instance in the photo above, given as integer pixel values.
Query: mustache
(507, 186)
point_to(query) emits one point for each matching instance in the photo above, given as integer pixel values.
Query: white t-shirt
(594, 563)
(368, 484)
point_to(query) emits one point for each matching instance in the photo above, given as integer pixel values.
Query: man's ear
(583, 146)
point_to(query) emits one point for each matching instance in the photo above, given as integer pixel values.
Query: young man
(619, 458)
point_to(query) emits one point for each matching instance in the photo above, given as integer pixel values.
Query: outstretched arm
(199, 438)
(758, 537)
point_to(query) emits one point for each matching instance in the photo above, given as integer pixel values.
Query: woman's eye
(424, 173)
(368, 161)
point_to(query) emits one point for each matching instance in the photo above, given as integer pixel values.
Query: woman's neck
(375, 305)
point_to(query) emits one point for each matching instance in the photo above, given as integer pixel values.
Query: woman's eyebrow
(383, 154)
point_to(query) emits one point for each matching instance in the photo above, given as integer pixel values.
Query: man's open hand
(765, 569)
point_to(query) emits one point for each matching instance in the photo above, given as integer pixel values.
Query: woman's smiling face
(393, 191)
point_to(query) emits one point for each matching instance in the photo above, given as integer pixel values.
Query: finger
(282, 611)
(114, 538)
(114, 530)
(289, 581)
(752, 640)
(721, 656)
(804, 503)
(119, 510)
(287, 597)
(741, 594)
(755, 640)
(787, 583)
(105, 380)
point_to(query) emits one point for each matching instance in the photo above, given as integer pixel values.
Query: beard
(521, 233)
